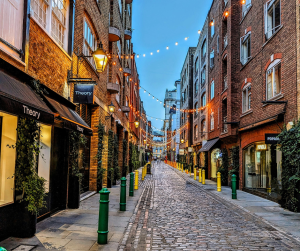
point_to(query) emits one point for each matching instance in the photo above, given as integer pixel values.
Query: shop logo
(84, 93)
(31, 112)
(79, 129)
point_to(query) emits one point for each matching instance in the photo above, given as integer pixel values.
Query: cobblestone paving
(176, 214)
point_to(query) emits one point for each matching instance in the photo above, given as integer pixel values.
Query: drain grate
(24, 248)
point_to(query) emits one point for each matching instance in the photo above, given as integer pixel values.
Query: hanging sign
(261, 147)
(190, 149)
(271, 138)
(181, 151)
(83, 94)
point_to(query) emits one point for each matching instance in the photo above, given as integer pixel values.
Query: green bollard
(2, 249)
(103, 216)
(123, 194)
(233, 186)
(131, 184)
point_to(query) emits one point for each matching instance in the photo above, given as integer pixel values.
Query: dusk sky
(156, 25)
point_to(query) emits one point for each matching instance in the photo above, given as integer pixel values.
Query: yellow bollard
(136, 180)
(203, 177)
(219, 187)
(200, 170)
(195, 174)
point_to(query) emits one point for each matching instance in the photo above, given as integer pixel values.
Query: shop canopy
(209, 144)
(18, 98)
(71, 119)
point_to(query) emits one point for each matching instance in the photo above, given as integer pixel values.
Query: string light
(151, 53)
(157, 51)
(186, 38)
(167, 47)
(176, 43)
(199, 31)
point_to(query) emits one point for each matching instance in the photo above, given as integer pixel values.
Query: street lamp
(136, 123)
(100, 58)
(111, 109)
(182, 141)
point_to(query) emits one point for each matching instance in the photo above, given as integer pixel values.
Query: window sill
(272, 36)
(246, 113)
(47, 33)
(244, 65)
(224, 90)
(247, 11)
(279, 96)
(13, 56)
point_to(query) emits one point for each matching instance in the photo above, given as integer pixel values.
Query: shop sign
(271, 138)
(190, 149)
(181, 151)
(83, 94)
(261, 147)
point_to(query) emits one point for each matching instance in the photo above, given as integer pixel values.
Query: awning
(70, 118)
(209, 144)
(19, 99)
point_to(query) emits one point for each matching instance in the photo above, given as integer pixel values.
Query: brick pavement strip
(174, 213)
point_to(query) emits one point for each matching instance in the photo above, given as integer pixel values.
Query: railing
(225, 41)
(225, 126)
(225, 83)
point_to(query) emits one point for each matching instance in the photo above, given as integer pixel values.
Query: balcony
(125, 109)
(113, 88)
(126, 72)
(128, 1)
(225, 41)
(127, 34)
(225, 126)
(114, 34)
(225, 83)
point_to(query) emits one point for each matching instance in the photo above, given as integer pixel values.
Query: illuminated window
(274, 79)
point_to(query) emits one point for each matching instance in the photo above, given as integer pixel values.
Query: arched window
(212, 28)
(196, 107)
(212, 121)
(203, 126)
(196, 131)
(203, 76)
(246, 98)
(203, 49)
(212, 90)
(196, 87)
(196, 66)
(203, 100)
(117, 95)
(273, 79)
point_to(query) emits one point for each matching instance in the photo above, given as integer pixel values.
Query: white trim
(274, 63)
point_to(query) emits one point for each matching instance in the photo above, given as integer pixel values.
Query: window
(212, 28)
(196, 109)
(203, 100)
(117, 95)
(272, 17)
(212, 121)
(212, 90)
(203, 49)
(245, 48)
(203, 75)
(45, 154)
(274, 79)
(120, 6)
(246, 6)
(52, 16)
(247, 98)
(203, 126)
(8, 134)
(89, 44)
(212, 59)
(196, 66)
(196, 131)
(196, 87)
(119, 49)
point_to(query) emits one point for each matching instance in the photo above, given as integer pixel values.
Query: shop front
(215, 162)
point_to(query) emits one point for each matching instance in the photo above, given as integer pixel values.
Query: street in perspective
(133, 125)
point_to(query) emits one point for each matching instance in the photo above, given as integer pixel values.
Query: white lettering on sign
(84, 93)
(261, 147)
(31, 112)
(79, 129)
(273, 138)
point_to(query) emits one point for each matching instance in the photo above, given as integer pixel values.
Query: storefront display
(216, 161)
(262, 166)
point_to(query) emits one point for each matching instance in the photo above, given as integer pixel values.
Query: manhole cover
(24, 248)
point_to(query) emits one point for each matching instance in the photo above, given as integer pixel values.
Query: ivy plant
(100, 169)
(125, 152)
(224, 167)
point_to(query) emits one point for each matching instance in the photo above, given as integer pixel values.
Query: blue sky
(156, 25)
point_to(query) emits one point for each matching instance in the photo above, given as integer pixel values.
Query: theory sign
(83, 94)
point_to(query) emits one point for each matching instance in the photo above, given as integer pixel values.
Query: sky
(157, 24)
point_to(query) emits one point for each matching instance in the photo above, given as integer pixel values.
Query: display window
(262, 166)
(216, 162)
(202, 159)
(8, 137)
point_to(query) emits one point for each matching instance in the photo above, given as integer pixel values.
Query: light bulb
(186, 38)
(157, 51)
(151, 53)
(144, 55)
(176, 43)
(137, 55)
(167, 47)
(199, 31)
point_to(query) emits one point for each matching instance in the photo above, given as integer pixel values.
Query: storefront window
(8, 137)
(262, 165)
(202, 159)
(45, 154)
(216, 161)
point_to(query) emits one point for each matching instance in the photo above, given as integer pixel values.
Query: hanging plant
(28, 183)
(117, 174)
(290, 178)
(100, 170)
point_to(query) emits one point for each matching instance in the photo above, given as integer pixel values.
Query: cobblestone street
(175, 213)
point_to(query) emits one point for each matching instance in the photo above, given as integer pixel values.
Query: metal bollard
(203, 176)
(143, 171)
(219, 187)
(131, 191)
(233, 186)
(136, 180)
(195, 174)
(123, 194)
(103, 216)
(200, 170)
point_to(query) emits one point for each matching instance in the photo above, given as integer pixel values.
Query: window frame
(203, 98)
(196, 107)
(272, 66)
(212, 90)
(212, 59)
(212, 121)
(245, 98)
(212, 28)
(266, 11)
(203, 73)
(196, 88)
(246, 39)
(204, 46)
(246, 7)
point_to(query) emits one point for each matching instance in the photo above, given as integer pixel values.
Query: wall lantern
(137, 123)
(100, 58)
(111, 108)
(182, 141)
